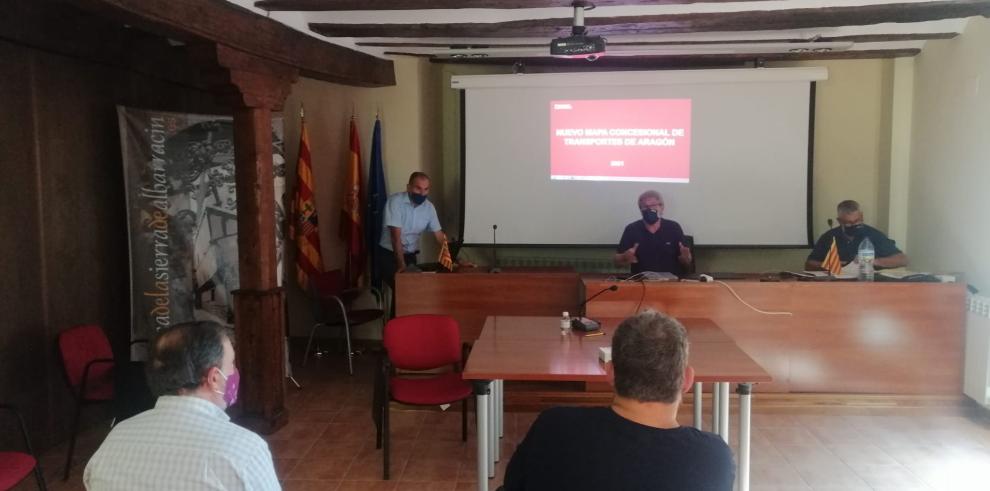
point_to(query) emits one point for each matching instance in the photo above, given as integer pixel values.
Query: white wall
(948, 227)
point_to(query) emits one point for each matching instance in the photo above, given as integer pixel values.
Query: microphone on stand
(582, 323)
(830, 223)
(495, 268)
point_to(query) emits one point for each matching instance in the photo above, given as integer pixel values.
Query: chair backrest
(422, 342)
(327, 283)
(689, 243)
(79, 345)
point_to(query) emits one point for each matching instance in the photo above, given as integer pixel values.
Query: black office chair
(689, 243)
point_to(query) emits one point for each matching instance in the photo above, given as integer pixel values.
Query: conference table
(517, 348)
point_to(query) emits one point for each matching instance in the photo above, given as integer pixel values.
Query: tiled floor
(329, 444)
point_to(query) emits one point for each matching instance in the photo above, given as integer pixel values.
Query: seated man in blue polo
(653, 243)
(407, 216)
(848, 235)
(636, 443)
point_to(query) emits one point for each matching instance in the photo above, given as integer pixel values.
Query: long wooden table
(843, 337)
(536, 348)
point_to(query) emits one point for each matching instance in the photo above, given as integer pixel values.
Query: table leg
(482, 392)
(497, 427)
(745, 392)
(723, 411)
(501, 408)
(697, 405)
(716, 392)
(491, 432)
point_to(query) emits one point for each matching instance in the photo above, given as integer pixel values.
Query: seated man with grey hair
(848, 235)
(187, 441)
(636, 444)
(653, 243)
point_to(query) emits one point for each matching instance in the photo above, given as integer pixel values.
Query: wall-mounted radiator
(976, 379)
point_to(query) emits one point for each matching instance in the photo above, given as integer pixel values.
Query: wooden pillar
(254, 88)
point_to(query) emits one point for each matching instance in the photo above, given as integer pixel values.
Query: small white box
(605, 354)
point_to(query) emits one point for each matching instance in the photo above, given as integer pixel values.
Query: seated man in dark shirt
(636, 444)
(848, 235)
(653, 244)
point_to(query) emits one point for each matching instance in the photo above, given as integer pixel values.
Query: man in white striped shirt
(187, 441)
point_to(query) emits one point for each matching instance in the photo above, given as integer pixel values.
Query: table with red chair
(537, 349)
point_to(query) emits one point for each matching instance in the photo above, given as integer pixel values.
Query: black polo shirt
(849, 247)
(595, 449)
(657, 251)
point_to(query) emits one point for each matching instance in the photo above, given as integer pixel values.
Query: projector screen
(560, 159)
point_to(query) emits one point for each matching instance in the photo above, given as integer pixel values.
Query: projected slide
(643, 140)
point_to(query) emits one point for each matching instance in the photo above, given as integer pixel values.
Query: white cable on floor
(747, 303)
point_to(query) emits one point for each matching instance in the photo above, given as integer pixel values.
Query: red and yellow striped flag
(304, 225)
(832, 263)
(445, 259)
(351, 231)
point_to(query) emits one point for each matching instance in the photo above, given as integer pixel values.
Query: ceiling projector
(578, 44)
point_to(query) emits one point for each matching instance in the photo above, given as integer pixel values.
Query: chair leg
(350, 355)
(385, 438)
(464, 415)
(72, 441)
(309, 344)
(378, 427)
(40, 477)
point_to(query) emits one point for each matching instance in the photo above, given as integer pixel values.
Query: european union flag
(377, 196)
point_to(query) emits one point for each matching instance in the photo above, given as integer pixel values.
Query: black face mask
(853, 230)
(417, 199)
(650, 216)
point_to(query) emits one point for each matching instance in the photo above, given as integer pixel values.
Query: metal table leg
(497, 426)
(501, 408)
(716, 392)
(482, 391)
(723, 411)
(491, 431)
(745, 392)
(697, 405)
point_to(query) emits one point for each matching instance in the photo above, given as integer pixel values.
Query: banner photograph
(182, 216)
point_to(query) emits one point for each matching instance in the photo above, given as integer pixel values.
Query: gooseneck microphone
(830, 223)
(495, 268)
(581, 322)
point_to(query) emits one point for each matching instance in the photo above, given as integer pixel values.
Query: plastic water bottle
(866, 255)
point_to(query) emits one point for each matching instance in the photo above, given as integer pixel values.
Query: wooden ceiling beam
(218, 21)
(752, 20)
(658, 61)
(341, 5)
(859, 38)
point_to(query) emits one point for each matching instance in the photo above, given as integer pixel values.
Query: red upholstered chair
(331, 307)
(87, 361)
(14, 465)
(419, 343)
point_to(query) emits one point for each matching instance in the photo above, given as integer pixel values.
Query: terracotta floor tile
(309, 485)
(321, 469)
(426, 469)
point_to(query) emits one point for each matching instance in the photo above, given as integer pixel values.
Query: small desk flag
(832, 263)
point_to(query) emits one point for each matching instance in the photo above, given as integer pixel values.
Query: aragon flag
(351, 231)
(832, 263)
(304, 224)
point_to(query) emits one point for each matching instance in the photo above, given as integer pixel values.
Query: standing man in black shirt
(653, 243)
(636, 444)
(848, 235)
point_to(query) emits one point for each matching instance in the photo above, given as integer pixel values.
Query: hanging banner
(182, 216)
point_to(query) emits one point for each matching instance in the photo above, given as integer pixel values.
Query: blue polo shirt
(658, 251)
(849, 247)
(413, 220)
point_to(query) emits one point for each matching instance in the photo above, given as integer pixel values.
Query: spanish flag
(832, 263)
(304, 225)
(351, 232)
(445, 259)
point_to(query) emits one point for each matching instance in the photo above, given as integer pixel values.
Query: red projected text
(621, 140)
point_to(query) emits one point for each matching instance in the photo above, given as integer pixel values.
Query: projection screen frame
(808, 192)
